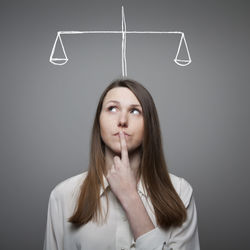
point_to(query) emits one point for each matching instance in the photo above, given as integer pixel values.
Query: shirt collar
(140, 187)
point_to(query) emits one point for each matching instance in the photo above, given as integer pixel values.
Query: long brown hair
(168, 207)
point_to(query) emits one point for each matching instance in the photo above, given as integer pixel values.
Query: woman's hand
(120, 176)
(123, 184)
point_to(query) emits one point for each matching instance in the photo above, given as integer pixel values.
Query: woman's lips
(126, 135)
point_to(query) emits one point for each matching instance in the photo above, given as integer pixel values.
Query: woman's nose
(123, 119)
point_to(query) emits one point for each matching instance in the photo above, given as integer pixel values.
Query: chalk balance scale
(64, 59)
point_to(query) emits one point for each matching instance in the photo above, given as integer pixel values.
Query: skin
(122, 156)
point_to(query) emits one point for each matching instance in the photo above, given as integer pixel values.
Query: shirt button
(133, 245)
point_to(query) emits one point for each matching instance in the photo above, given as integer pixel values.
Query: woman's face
(121, 111)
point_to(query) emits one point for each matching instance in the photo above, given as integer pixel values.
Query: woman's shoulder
(69, 186)
(183, 188)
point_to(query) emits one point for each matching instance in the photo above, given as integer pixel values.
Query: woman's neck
(134, 160)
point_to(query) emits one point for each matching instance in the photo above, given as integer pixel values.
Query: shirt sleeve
(184, 237)
(54, 231)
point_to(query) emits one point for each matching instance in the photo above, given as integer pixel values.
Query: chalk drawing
(64, 59)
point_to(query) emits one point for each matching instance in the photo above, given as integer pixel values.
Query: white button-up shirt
(116, 233)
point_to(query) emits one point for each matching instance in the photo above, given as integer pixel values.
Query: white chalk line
(119, 32)
(124, 61)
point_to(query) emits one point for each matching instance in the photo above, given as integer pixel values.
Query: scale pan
(182, 62)
(59, 61)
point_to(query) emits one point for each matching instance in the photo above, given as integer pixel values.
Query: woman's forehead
(122, 95)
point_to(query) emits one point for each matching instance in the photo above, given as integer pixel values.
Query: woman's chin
(117, 150)
(113, 149)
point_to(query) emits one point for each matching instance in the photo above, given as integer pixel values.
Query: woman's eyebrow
(131, 105)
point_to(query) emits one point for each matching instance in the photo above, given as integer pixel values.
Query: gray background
(47, 111)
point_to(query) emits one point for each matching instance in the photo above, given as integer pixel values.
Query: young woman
(126, 199)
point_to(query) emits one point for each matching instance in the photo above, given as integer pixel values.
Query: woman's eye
(137, 111)
(111, 108)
